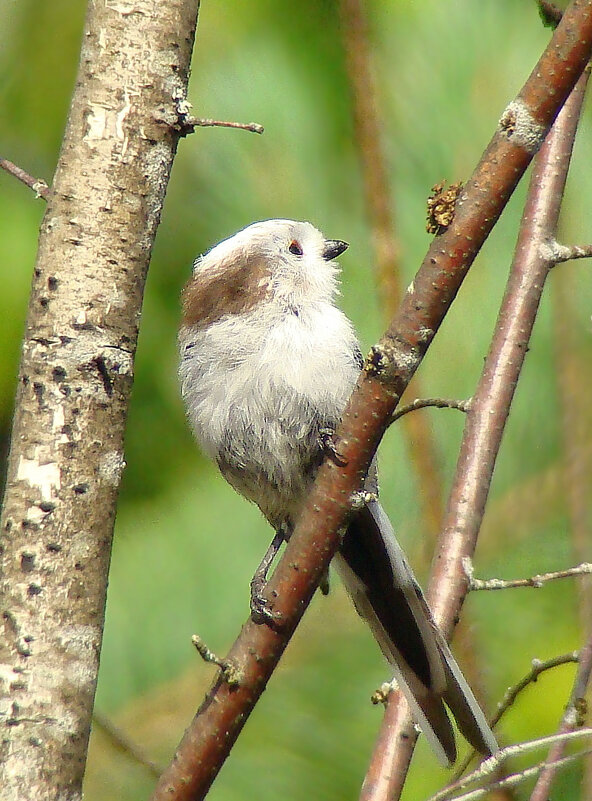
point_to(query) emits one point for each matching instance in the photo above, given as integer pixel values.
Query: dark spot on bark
(34, 589)
(58, 374)
(52, 283)
(27, 562)
(53, 547)
(38, 390)
(47, 506)
(86, 326)
(80, 489)
(101, 366)
(44, 302)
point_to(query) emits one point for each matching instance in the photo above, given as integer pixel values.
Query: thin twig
(123, 743)
(534, 581)
(570, 721)
(538, 667)
(557, 253)
(490, 766)
(437, 403)
(517, 778)
(200, 122)
(38, 186)
(229, 670)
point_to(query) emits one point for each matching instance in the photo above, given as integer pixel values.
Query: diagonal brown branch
(491, 402)
(389, 368)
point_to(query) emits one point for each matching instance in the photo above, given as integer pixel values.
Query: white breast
(258, 386)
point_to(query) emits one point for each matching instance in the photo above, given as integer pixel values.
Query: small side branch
(490, 766)
(515, 779)
(437, 403)
(231, 673)
(538, 667)
(556, 253)
(200, 122)
(534, 581)
(571, 723)
(38, 186)
(123, 743)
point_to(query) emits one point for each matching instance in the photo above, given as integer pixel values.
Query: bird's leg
(260, 610)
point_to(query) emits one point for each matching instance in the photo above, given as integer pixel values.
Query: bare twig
(229, 671)
(200, 122)
(517, 778)
(490, 766)
(437, 403)
(493, 397)
(388, 370)
(570, 723)
(534, 581)
(125, 744)
(557, 254)
(538, 667)
(38, 186)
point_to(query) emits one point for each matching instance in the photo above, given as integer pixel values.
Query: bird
(267, 363)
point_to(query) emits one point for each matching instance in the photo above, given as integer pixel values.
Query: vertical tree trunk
(75, 379)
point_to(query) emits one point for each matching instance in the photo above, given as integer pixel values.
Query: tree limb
(75, 379)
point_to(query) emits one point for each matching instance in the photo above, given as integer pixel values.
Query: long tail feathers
(386, 594)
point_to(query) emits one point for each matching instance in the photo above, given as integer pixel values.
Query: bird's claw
(326, 438)
(261, 612)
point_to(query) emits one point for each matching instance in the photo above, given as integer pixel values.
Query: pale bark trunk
(75, 379)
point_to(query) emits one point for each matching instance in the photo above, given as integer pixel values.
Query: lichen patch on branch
(521, 128)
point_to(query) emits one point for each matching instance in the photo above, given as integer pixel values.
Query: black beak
(333, 248)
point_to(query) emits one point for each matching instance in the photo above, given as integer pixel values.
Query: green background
(185, 544)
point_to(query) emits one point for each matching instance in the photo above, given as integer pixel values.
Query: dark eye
(295, 248)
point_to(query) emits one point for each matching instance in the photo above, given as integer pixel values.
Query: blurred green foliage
(185, 545)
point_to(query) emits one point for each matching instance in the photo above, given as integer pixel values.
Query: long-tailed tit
(268, 362)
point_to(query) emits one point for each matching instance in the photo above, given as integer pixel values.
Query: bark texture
(76, 374)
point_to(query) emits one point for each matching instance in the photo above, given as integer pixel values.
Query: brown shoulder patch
(207, 298)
